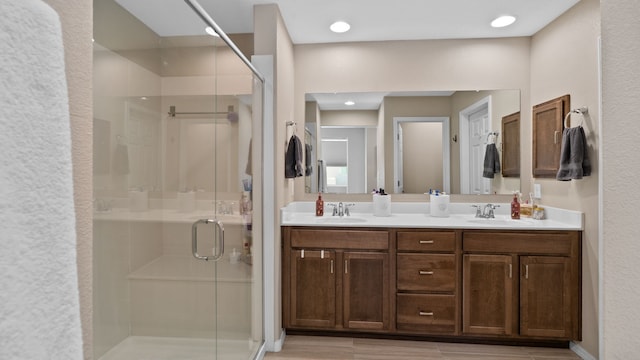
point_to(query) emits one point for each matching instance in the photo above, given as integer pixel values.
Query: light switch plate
(537, 191)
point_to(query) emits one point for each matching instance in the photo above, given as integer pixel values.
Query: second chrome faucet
(487, 212)
(341, 209)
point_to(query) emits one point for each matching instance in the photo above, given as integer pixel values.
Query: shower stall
(177, 221)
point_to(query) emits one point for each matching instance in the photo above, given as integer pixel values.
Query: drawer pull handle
(332, 266)
(425, 313)
(422, 242)
(424, 272)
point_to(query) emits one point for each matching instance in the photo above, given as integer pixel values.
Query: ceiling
(371, 20)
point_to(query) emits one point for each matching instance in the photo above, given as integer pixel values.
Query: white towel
(39, 302)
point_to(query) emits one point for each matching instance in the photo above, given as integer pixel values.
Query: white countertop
(416, 215)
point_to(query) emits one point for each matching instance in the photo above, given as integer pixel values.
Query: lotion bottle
(515, 207)
(319, 205)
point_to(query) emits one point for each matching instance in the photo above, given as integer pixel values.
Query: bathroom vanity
(411, 275)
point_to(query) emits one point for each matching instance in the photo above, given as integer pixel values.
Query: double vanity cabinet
(458, 284)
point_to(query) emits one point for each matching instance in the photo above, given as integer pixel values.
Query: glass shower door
(177, 260)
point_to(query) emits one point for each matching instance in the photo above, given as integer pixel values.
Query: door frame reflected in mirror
(445, 157)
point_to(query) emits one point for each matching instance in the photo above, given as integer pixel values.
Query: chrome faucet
(487, 212)
(340, 209)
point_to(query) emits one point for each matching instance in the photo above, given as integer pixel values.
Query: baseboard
(584, 354)
(261, 353)
(277, 345)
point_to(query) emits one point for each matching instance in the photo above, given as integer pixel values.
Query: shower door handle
(194, 240)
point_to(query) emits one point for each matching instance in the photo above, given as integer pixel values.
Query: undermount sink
(340, 220)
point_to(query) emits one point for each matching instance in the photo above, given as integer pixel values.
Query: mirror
(411, 142)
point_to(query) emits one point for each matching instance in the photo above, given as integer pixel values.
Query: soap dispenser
(515, 207)
(319, 205)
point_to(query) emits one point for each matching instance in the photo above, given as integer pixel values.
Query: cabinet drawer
(426, 272)
(426, 241)
(518, 243)
(430, 313)
(340, 239)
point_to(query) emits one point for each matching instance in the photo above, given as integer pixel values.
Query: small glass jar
(538, 213)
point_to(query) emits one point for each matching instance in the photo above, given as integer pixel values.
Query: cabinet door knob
(425, 313)
(425, 272)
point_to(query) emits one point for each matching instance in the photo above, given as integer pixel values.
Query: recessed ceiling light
(209, 30)
(340, 27)
(502, 21)
(349, 103)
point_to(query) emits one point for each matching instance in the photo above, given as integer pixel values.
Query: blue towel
(574, 156)
(491, 161)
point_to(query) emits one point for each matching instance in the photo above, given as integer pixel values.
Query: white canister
(138, 200)
(186, 201)
(439, 206)
(381, 205)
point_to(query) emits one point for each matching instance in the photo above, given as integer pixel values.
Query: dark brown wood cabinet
(336, 279)
(480, 285)
(548, 125)
(366, 290)
(313, 290)
(525, 285)
(427, 269)
(488, 295)
(546, 297)
(511, 145)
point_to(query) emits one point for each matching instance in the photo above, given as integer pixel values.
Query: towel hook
(295, 127)
(583, 110)
(495, 139)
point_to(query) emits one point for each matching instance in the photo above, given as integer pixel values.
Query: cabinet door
(547, 135)
(366, 291)
(487, 294)
(545, 296)
(313, 289)
(511, 145)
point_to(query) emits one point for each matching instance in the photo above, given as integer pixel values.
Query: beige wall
(621, 169)
(76, 18)
(564, 60)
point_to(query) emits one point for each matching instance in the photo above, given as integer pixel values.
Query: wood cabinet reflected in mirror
(511, 145)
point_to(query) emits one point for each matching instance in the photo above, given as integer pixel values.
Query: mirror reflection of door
(422, 157)
(475, 125)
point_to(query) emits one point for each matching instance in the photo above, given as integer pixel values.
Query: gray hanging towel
(574, 156)
(293, 159)
(308, 166)
(491, 161)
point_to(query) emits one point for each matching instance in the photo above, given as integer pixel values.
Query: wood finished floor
(334, 348)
